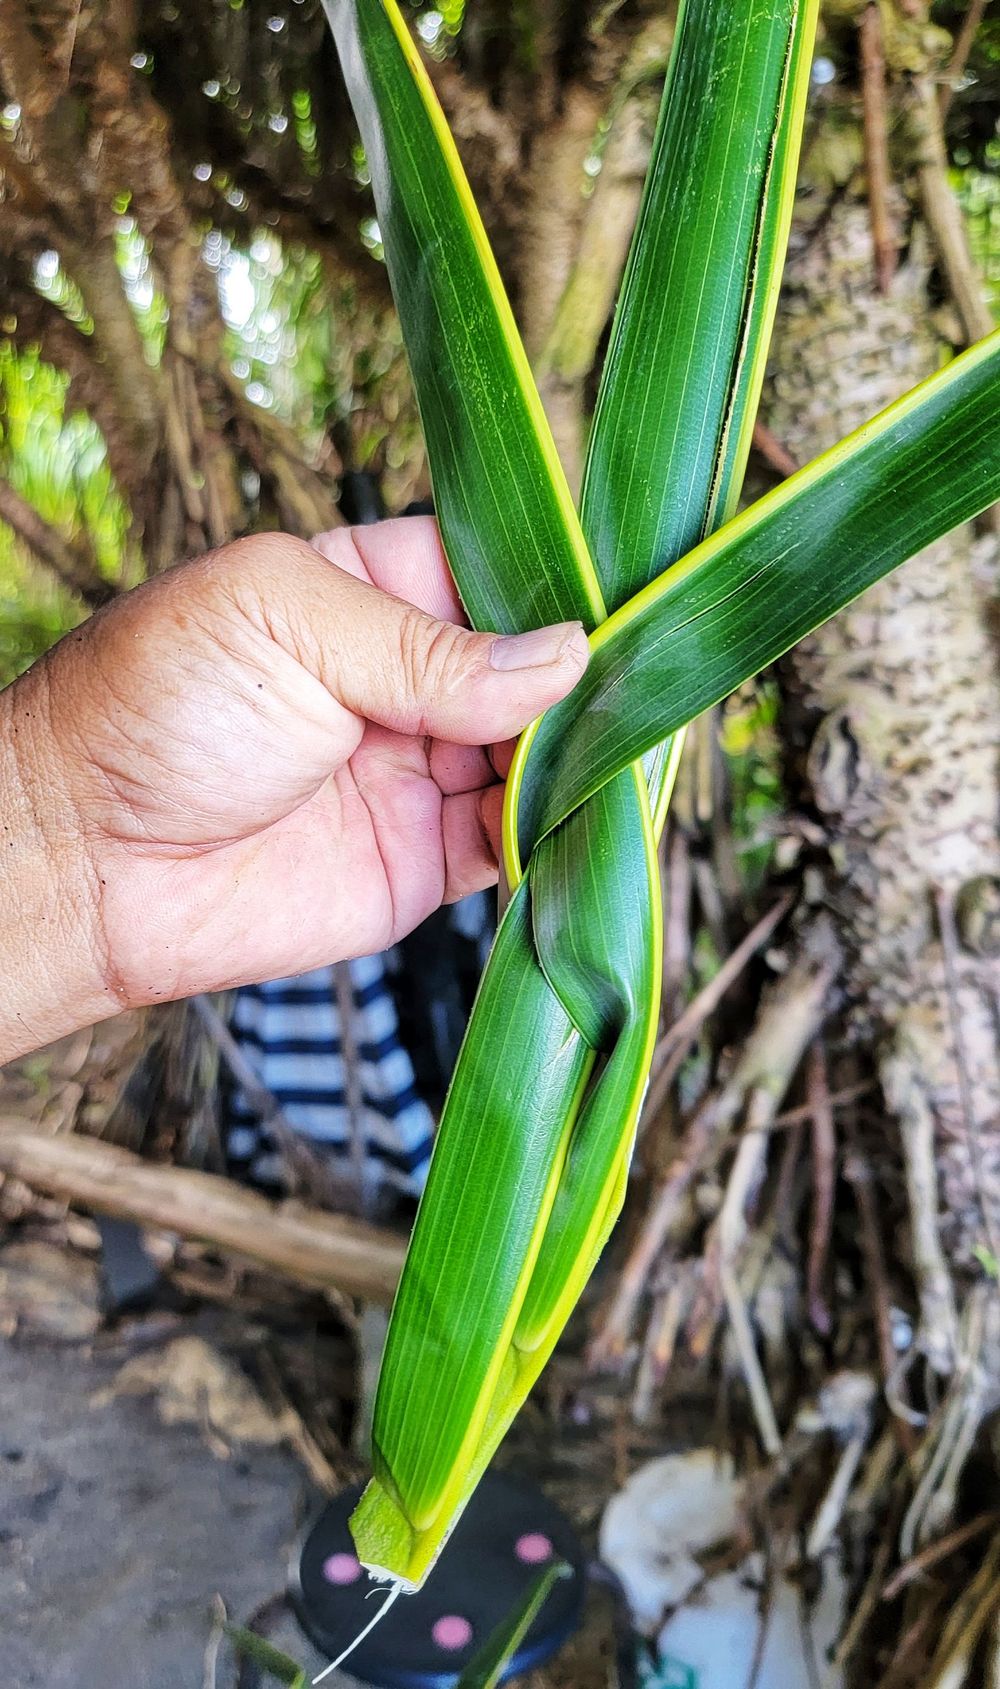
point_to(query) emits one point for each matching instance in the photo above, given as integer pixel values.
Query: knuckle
(435, 658)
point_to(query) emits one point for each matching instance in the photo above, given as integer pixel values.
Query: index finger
(404, 556)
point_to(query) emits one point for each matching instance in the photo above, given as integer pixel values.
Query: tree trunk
(894, 721)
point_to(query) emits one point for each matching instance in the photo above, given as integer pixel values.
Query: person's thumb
(402, 668)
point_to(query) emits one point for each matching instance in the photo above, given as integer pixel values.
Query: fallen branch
(323, 1250)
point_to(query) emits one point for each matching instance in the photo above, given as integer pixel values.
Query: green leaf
(265, 1655)
(511, 533)
(678, 396)
(682, 378)
(492, 1181)
(484, 1670)
(681, 382)
(747, 594)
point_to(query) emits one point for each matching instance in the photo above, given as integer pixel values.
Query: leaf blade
(757, 586)
(485, 1668)
(507, 518)
(682, 377)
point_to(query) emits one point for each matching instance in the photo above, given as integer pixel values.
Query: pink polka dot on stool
(533, 1548)
(342, 1568)
(452, 1632)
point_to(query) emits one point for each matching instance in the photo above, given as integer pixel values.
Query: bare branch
(955, 68)
(944, 215)
(884, 238)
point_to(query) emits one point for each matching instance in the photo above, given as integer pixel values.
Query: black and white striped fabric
(289, 1030)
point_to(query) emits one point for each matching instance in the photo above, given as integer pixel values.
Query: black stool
(506, 1534)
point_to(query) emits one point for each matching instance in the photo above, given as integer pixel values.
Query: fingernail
(540, 648)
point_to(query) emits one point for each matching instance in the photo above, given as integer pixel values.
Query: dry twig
(938, 1550)
(771, 449)
(955, 68)
(789, 1018)
(676, 925)
(884, 239)
(944, 214)
(676, 1042)
(966, 1623)
(669, 1309)
(950, 1437)
(214, 1643)
(824, 1154)
(351, 1059)
(858, 1174)
(950, 950)
(310, 1177)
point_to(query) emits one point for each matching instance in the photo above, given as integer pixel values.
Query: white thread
(397, 1589)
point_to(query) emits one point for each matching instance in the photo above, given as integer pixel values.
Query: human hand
(254, 764)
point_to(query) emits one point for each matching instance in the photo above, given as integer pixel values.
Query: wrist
(51, 977)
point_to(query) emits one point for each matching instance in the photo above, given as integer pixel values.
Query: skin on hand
(259, 762)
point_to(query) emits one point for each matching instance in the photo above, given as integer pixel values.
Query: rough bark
(897, 726)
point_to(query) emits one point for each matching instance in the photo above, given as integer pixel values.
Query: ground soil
(117, 1529)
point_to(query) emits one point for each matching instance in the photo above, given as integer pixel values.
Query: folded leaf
(492, 1181)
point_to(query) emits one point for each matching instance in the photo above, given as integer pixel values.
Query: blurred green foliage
(57, 461)
(978, 192)
(751, 745)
